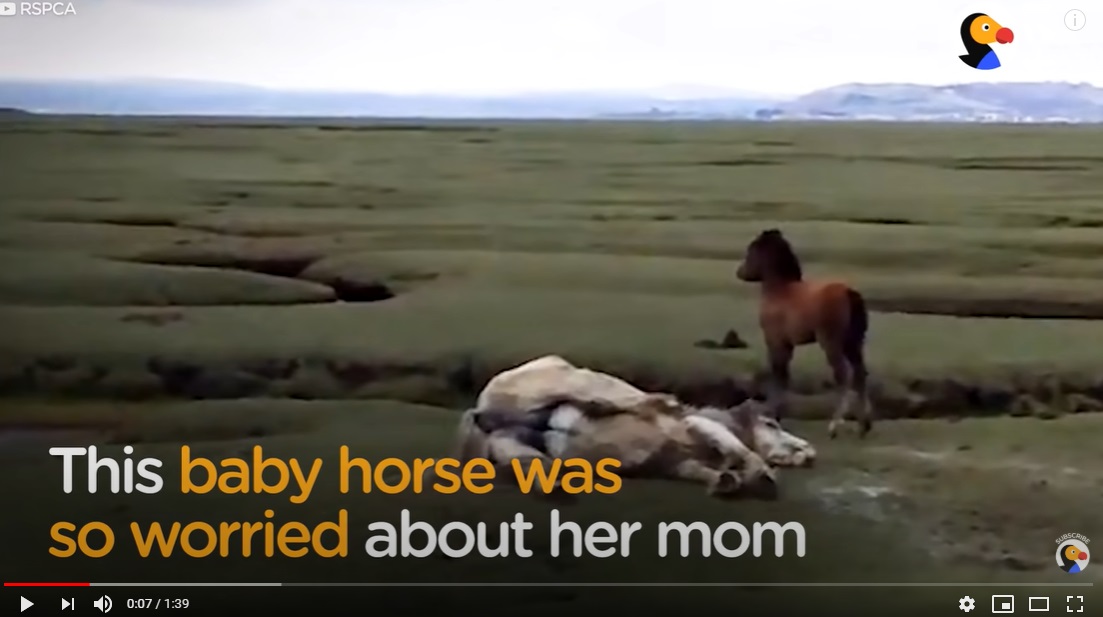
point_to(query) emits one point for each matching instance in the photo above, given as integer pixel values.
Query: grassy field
(230, 259)
(382, 272)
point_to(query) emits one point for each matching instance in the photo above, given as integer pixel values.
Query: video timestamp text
(157, 603)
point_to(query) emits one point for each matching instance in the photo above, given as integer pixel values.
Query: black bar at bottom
(542, 600)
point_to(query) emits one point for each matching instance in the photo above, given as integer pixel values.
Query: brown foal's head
(769, 257)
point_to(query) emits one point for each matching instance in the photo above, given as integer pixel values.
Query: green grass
(167, 259)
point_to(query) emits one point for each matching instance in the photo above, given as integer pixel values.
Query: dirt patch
(360, 277)
(356, 291)
(862, 496)
(730, 340)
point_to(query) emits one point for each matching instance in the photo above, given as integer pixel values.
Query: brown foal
(795, 312)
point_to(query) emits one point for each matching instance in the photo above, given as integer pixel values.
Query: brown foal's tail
(858, 326)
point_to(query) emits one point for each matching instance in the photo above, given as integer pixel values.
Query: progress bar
(476, 584)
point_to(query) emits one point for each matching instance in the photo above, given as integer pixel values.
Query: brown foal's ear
(771, 233)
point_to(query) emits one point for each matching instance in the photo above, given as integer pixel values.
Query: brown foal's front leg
(780, 357)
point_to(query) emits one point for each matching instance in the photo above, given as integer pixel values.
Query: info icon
(1075, 20)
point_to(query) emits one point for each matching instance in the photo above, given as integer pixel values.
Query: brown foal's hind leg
(780, 357)
(855, 356)
(841, 373)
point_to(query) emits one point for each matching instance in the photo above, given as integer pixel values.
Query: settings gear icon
(966, 604)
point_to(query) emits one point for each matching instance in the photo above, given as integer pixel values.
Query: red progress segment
(47, 584)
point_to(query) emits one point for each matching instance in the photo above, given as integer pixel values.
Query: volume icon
(103, 603)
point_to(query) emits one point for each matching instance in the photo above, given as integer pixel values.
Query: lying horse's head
(760, 431)
(769, 257)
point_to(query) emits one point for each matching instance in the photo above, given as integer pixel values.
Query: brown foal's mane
(778, 255)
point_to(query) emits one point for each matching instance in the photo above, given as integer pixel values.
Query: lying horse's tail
(858, 326)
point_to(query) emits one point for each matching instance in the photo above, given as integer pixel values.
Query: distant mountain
(1006, 102)
(1009, 102)
(161, 97)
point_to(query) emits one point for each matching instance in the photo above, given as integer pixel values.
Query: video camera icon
(103, 603)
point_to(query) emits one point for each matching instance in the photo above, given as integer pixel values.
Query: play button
(24, 604)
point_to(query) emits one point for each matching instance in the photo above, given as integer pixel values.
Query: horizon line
(656, 92)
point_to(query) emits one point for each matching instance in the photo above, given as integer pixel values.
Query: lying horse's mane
(779, 255)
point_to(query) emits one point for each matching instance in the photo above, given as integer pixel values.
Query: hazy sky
(510, 46)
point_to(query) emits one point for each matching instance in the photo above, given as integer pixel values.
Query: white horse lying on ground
(548, 408)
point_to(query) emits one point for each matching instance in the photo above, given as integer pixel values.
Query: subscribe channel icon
(1072, 556)
(7, 9)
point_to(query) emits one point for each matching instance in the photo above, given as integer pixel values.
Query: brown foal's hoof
(866, 428)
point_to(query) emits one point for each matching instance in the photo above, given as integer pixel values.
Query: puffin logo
(978, 32)
(1072, 553)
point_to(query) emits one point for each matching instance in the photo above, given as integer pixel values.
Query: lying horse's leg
(471, 439)
(780, 355)
(505, 441)
(719, 483)
(735, 453)
(504, 447)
